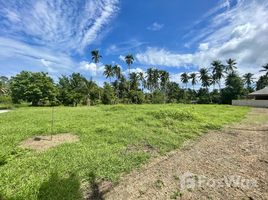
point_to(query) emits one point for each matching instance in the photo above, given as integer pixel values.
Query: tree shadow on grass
(96, 192)
(58, 188)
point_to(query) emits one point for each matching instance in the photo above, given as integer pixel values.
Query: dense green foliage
(37, 88)
(113, 140)
(152, 86)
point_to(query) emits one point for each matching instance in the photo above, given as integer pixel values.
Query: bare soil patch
(240, 150)
(43, 143)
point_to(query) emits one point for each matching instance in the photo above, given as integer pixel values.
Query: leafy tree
(203, 95)
(136, 97)
(75, 89)
(108, 72)
(108, 94)
(230, 67)
(218, 71)
(193, 78)
(234, 88)
(95, 55)
(174, 92)
(262, 82)
(37, 88)
(158, 97)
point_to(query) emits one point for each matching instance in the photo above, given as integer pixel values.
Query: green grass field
(113, 141)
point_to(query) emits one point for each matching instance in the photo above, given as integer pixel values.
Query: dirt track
(228, 164)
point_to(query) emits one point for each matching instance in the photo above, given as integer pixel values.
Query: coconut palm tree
(193, 79)
(95, 54)
(185, 79)
(129, 60)
(2, 89)
(218, 71)
(164, 79)
(230, 67)
(134, 81)
(108, 72)
(265, 69)
(205, 79)
(149, 77)
(3, 85)
(142, 79)
(248, 79)
(117, 71)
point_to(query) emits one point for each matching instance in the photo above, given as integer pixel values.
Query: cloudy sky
(175, 35)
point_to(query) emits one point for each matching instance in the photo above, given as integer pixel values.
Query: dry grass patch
(43, 143)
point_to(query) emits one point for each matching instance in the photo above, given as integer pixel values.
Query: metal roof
(262, 92)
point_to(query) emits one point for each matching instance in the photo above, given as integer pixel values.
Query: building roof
(262, 92)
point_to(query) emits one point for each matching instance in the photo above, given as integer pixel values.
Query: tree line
(152, 86)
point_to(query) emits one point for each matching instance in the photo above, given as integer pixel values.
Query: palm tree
(117, 71)
(108, 72)
(2, 89)
(185, 79)
(149, 77)
(134, 81)
(205, 79)
(142, 79)
(193, 78)
(213, 80)
(265, 69)
(217, 71)
(164, 79)
(96, 56)
(129, 60)
(248, 79)
(230, 67)
(3, 85)
(156, 76)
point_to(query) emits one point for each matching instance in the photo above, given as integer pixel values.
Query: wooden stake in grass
(52, 123)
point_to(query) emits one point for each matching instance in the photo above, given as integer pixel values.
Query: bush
(5, 102)
(136, 97)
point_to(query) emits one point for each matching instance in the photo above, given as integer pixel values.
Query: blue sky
(175, 35)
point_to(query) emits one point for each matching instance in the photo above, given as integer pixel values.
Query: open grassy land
(113, 140)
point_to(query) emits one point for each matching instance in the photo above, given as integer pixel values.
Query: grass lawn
(113, 141)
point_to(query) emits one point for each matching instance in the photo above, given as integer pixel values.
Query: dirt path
(228, 164)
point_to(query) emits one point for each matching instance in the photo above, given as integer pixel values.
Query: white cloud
(124, 47)
(93, 68)
(62, 25)
(155, 26)
(17, 54)
(122, 58)
(239, 33)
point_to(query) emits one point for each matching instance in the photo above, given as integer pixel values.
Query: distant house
(260, 94)
(257, 99)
